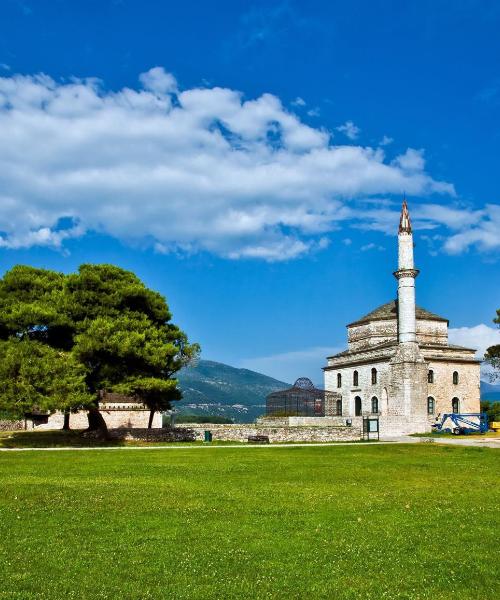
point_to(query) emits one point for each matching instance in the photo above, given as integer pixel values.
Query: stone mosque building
(399, 364)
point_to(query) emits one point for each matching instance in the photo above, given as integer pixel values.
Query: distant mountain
(490, 392)
(214, 388)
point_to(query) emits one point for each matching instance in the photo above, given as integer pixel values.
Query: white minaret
(406, 275)
(408, 389)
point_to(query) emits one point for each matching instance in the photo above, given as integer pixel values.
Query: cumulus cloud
(484, 232)
(455, 228)
(479, 337)
(349, 129)
(194, 169)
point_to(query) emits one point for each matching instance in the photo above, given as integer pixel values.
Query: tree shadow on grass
(54, 439)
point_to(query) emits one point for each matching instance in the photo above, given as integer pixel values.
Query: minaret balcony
(400, 273)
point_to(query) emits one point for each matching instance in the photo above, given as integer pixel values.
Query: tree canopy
(101, 326)
(492, 355)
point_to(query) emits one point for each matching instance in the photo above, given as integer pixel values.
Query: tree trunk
(151, 415)
(66, 426)
(97, 422)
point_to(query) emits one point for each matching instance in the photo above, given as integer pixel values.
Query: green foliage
(203, 419)
(370, 522)
(36, 377)
(492, 355)
(492, 409)
(110, 326)
(32, 306)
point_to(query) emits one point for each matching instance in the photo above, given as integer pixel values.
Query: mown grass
(408, 522)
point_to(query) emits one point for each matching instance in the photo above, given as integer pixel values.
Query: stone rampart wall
(11, 425)
(115, 419)
(276, 434)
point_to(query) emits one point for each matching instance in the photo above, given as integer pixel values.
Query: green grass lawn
(407, 521)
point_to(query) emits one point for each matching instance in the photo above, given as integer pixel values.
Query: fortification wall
(277, 434)
(115, 419)
(11, 425)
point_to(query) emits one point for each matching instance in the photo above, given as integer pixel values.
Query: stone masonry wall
(115, 419)
(365, 389)
(240, 433)
(11, 425)
(443, 390)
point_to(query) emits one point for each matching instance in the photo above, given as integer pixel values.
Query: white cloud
(314, 112)
(298, 101)
(371, 246)
(456, 228)
(349, 129)
(479, 337)
(158, 81)
(484, 232)
(289, 366)
(386, 140)
(194, 169)
(411, 160)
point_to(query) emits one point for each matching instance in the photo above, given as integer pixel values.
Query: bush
(216, 419)
(10, 416)
(492, 409)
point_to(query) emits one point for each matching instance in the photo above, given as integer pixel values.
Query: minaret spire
(404, 221)
(406, 275)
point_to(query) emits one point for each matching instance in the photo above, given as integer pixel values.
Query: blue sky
(248, 159)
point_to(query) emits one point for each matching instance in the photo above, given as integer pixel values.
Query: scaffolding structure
(303, 400)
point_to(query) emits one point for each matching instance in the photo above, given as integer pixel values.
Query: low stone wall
(394, 426)
(337, 421)
(390, 425)
(277, 434)
(11, 425)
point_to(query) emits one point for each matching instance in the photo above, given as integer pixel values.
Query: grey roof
(380, 346)
(394, 343)
(390, 311)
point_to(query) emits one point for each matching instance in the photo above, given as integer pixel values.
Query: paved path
(472, 441)
(481, 442)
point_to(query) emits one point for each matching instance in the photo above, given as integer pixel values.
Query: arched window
(374, 376)
(339, 380)
(455, 377)
(375, 405)
(339, 408)
(430, 405)
(455, 405)
(430, 376)
(355, 379)
(357, 405)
